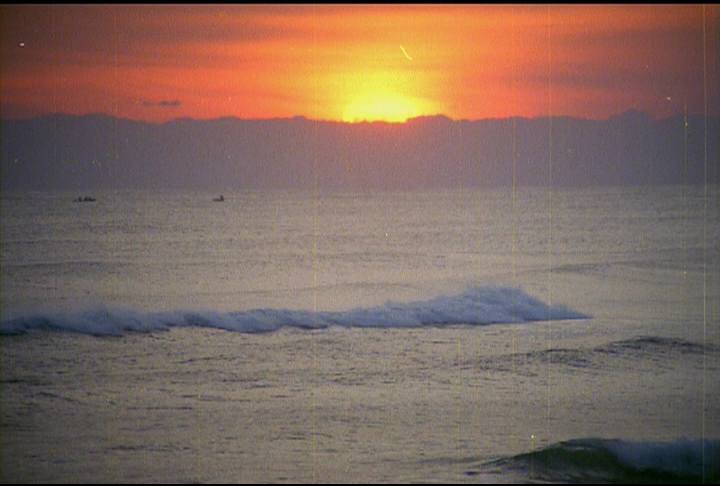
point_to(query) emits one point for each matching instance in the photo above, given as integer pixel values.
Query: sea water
(460, 335)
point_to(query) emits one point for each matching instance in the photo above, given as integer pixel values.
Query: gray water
(449, 336)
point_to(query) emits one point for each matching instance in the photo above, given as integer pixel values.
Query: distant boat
(85, 199)
(219, 199)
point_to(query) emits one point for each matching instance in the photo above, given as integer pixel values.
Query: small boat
(85, 199)
(219, 199)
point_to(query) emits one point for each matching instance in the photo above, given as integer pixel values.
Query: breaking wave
(681, 461)
(476, 306)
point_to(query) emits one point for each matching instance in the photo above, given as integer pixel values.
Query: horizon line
(630, 111)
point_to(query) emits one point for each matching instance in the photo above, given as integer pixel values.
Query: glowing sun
(382, 106)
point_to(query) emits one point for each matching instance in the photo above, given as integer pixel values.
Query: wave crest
(475, 306)
(619, 462)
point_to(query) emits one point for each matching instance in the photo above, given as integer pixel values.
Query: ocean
(465, 335)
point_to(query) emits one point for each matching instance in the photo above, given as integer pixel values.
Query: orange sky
(353, 62)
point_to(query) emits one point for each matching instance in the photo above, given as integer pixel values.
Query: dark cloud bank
(64, 152)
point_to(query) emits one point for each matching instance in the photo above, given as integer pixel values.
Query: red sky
(354, 61)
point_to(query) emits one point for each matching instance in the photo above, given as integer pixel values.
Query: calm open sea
(506, 335)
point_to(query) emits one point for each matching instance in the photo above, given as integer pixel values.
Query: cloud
(169, 103)
(162, 103)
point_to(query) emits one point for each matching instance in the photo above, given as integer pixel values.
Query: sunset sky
(354, 62)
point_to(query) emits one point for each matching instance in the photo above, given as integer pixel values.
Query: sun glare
(388, 107)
